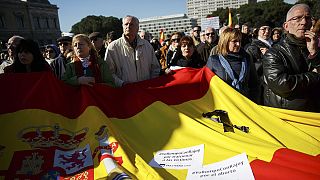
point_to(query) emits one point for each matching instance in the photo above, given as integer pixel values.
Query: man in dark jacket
(98, 42)
(204, 49)
(287, 67)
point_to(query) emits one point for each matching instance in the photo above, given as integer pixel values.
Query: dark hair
(196, 60)
(186, 40)
(111, 35)
(279, 29)
(197, 27)
(38, 63)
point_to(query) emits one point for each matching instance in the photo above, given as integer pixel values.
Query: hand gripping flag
(53, 130)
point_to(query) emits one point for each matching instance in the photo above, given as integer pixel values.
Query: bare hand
(89, 81)
(312, 42)
(263, 50)
(168, 71)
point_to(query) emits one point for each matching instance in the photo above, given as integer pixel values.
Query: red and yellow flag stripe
(145, 117)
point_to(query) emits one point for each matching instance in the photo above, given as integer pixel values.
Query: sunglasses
(65, 44)
(208, 34)
(175, 40)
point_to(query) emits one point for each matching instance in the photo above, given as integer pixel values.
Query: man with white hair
(130, 58)
(204, 49)
(12, 44)
(287, 66)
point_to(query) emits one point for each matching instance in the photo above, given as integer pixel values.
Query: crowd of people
(273, 66)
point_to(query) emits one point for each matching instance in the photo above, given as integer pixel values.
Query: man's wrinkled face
(210, 35)
(196, 32)
(64, 46)
(298, 22)
(12, 45)
(245, 29)
(130, 26)
(97, 42)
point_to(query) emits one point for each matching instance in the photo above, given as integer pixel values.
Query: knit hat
(55, 48)
(262, 23)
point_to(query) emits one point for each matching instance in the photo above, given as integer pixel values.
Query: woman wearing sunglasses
(174, 42)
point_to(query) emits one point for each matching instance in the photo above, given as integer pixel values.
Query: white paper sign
(179, 158)
(210, 22)
(236, 167)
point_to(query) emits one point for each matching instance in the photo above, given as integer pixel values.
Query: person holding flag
(130, 58)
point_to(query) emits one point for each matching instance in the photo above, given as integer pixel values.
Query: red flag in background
(161, 39)
(230, 19)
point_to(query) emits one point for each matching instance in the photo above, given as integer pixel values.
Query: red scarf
(93, 66)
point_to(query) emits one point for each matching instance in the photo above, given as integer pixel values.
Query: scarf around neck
(294, 40)
(88, 67)
(267, 42)
(226, 65)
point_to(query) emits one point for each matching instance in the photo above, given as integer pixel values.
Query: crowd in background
(273, 66)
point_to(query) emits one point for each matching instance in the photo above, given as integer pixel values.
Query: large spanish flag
(50, 130)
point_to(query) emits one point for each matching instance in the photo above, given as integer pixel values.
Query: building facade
(34, 19)
(169, 24)
(201, 8)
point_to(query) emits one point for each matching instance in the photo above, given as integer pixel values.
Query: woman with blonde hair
(86, 68)
(234, 65)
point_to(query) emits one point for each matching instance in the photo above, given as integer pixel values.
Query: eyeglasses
(65, 44)
(212, 34)
(197, 30)
(265, 29)
(299, 18)
(175, 40)
(94, 39)
(235, 41)
(49, 51)
(10, 46)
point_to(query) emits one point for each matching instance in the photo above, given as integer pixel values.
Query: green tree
(100, 24)
(314, 5)
(272, 11)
